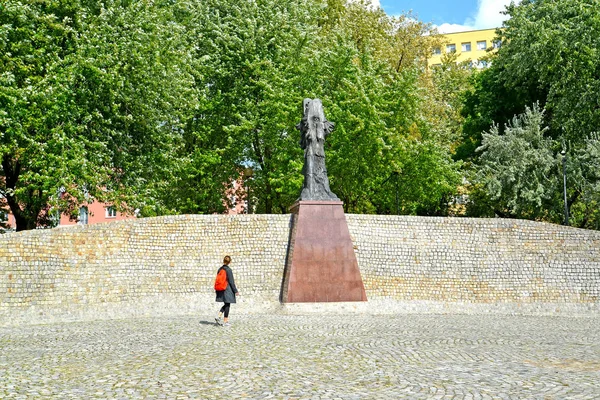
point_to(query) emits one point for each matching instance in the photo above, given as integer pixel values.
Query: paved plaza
(305, 357)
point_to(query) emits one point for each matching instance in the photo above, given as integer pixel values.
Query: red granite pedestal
(321, 264)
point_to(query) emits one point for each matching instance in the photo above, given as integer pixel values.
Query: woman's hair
(226, 260)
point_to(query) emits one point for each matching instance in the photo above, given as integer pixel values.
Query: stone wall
(166, 265)
(478, 265)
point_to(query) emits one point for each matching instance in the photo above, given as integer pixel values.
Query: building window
(110, 212)
(3, 216)
(437, 51)
(481, 45)
(450, 48)
(466, 46)
(481, 64)
(497, 44)
(83, 216)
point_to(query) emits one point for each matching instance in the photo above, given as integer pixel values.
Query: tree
(584, 171)
(490, 101)
(91, 103)
(160, 106)
(446, 86)
(551, 48)
(134, 83)
(369, 74)
(258, 60)
(251, 56)
(549, 55)
(39, 151)
(517, 169)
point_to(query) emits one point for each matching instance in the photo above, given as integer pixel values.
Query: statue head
(314, 125)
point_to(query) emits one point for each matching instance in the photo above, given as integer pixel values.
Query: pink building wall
(97, 213)
(237, 197)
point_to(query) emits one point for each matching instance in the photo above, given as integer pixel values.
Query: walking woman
(226, 295)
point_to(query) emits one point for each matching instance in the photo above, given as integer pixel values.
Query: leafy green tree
(134, 82)
(490, 101)
(583, 170)
(367, 72)
(251, 56)
(260, 59)
(90, 103)
(446, 86)
(517, 169)
(549, 55)
(161, 106)
(39, 149)
(551, 47)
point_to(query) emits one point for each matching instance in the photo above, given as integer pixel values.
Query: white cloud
(488, 15)
(451, 28)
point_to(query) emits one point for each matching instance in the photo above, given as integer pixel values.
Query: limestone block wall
(139, 267)
(167, 265)
(478, 264)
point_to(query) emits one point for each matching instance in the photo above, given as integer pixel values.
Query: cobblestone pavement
(305, 357)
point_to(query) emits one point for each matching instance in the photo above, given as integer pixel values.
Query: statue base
(321, 265)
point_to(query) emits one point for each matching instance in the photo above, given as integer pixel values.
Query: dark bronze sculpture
(314, 128)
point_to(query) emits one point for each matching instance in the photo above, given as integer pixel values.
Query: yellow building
(470, 45)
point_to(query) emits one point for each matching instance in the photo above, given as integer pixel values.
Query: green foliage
(447, 86)
(39, 150)
(493, 100)
(584, 182)
(517, 169)
(551, 56)
(135, 85)
(161, 106)
(250, 59)
(552, 48)
(258, 60)
(382, 152)
(91, 102)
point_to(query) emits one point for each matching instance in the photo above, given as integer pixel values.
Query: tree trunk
(12, 170)
(23, 223)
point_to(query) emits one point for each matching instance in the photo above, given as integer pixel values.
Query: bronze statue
(314, 128)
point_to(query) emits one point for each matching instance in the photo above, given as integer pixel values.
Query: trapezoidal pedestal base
(321, 264)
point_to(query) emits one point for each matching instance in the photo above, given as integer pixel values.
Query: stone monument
(321, 265)
(314, 128)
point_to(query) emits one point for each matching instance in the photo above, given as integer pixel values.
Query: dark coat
(227, 295)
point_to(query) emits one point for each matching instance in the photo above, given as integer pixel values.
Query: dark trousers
(225, 310)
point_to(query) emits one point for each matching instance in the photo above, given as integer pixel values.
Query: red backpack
(221, 281)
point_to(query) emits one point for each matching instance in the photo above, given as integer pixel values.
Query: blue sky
(451, 16)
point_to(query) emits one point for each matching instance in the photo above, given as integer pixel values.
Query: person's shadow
(208, 323)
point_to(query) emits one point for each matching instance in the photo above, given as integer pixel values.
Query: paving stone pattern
(305, 357)
(166, 266)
